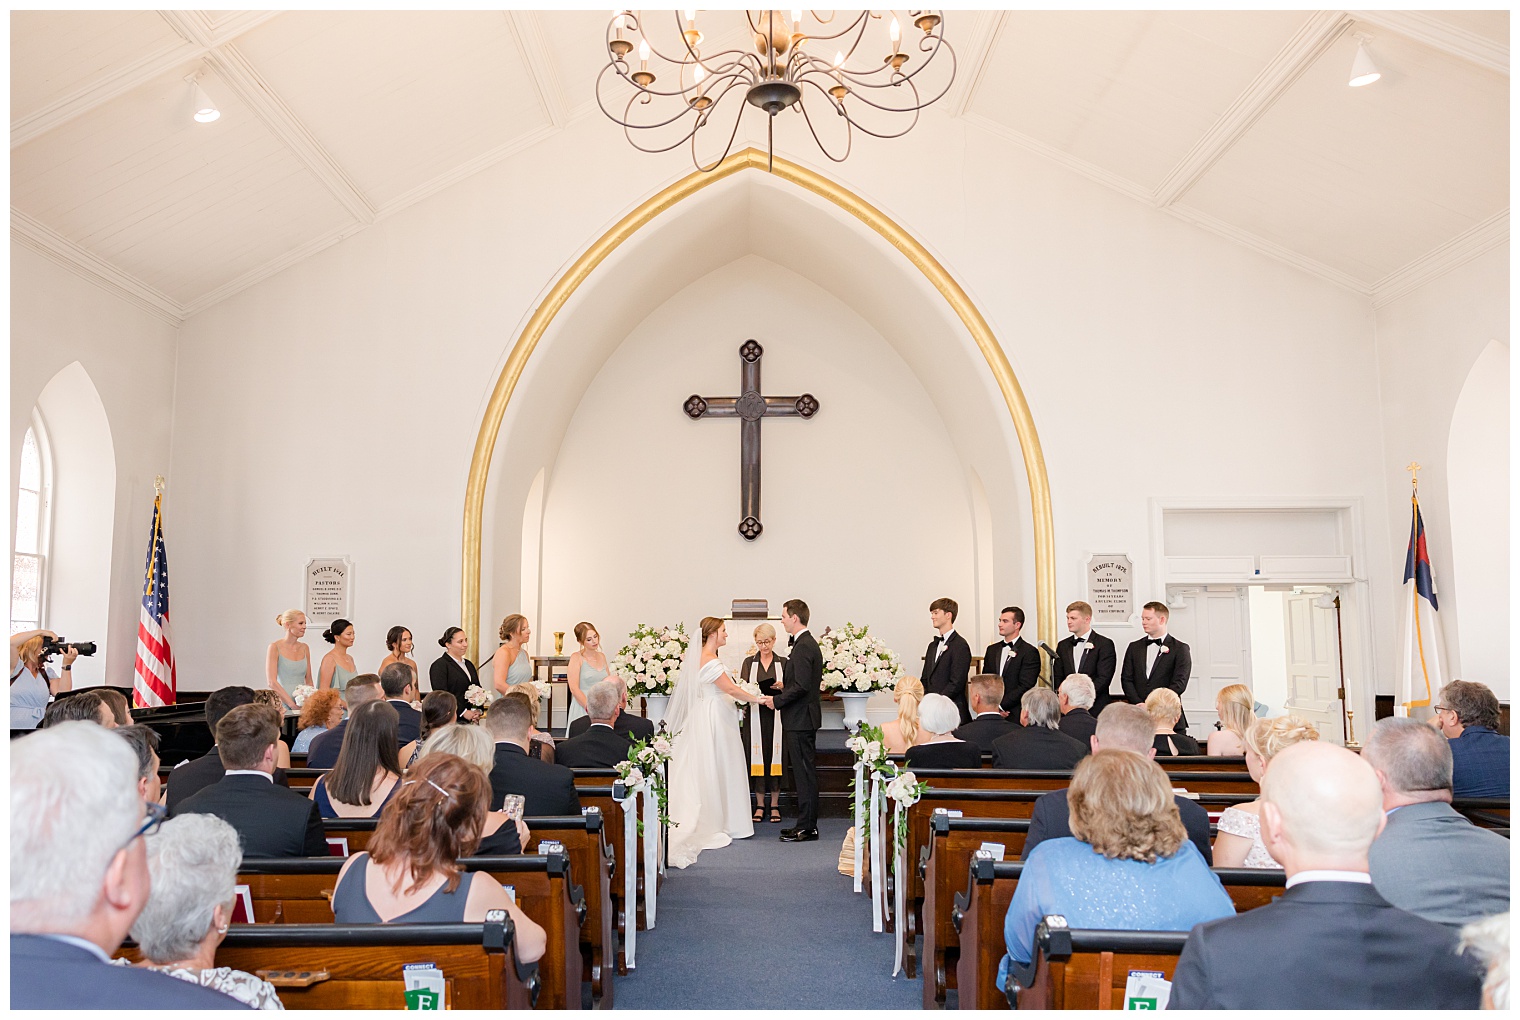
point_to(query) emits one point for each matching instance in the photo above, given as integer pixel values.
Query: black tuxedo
(197, 774)
(1036, 747)
(1080, 724)
(633, 727)
(49, 974)
(547, 789)
(801, 714)
(409, 727)
(445, 675)
(1021, 673)
(270, 820)
(1172, 669)
(1324, 945)
(1051, 819)
(599, 747)
(1100, 659)
(322, 752)
(945, 672)
(986, 728)
(944, 754)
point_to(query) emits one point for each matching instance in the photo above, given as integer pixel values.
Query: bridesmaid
(289, 662)
(398, 640)
(511, 665)
(452, 672)
(587, 666)
(338, 665)
(763, 668)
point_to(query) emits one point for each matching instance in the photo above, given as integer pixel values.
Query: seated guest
(324, 748)
(79, 881)
(400, 687)
(86, 706)
(271, 820)
(434, 821)
(1121, 727)
(903, 732)
(1488, 940)
(367, 771)
(601, 746)
(193, 861)
(1237, 714)
(439, 709)
(144, 742)
(121, 711)
(192, 776)
(1166, 709)
(1330, 941)
(320, 712)
(1038, 744)
(549, 789)
(1469, 716)
(499, 835)
(1239, 843)
(634, 727)
(540, 743)
(1076, 696)
(1430, 860)
(984, 693)
(1127, 864)
(938, 747)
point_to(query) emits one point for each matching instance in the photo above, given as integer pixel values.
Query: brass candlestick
(559, 642)
(1351, 743)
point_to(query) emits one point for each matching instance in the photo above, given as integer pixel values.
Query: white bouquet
(650, 663)
(478, 696)
(856, 662)
(301, 693)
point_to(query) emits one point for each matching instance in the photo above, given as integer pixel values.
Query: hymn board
(750, 407)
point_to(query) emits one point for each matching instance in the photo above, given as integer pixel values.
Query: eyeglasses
(1443, 708)
(152, 819)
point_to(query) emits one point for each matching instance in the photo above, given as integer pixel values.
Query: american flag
(154, 683)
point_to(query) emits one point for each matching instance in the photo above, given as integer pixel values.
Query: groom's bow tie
(1007, 644)
(791, 639)
(1154, 640)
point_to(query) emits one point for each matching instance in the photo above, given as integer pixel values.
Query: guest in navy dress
(368, 768)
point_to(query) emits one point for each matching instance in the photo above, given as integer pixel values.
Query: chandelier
(669, 90)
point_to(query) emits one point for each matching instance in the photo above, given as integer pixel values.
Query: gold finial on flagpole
(1413, 467)
(158, 484)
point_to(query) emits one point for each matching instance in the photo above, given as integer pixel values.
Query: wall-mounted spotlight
(1363, 70)
(205, 109)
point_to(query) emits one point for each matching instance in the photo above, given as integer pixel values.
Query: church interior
(1175, 336)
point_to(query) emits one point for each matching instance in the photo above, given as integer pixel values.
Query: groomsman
(947, 663)
(1156, 660)
(1014, 659)
(1086, 652)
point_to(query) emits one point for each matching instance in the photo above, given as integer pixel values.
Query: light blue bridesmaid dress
(290, 672)
(589, 675)
(341, 677)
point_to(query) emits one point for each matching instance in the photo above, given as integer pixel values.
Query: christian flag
(154, 683)
(1422, 665)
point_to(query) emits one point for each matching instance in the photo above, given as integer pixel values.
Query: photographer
(33, 684)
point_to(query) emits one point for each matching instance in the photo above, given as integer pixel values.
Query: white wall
(1269, 648)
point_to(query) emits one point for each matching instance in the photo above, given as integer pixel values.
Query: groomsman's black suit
(1174, 665)
(599, 747)
(1020, 673)
(547, 789)
(445, 675)
(1099, 662)
(947, 664)
(634, 727)
(986, 728)
(408, 720)
(270, 820)
(801, 715)
(195, 775)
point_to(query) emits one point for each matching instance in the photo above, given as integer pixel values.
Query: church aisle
(763, 924)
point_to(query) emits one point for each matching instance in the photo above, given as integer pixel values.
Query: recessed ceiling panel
(57, 53)
(1130, 91)
(399, 98)
(1366, 180)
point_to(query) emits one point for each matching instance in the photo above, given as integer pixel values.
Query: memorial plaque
(329, 590)
(1110, 588)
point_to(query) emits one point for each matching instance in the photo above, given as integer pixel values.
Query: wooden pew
(953, 842)
(601, 798)
(1212, 781)
(1075, 968)
(1169, 763)
(299, 890)
(1489, 812)
(362, 963)
(979, 913)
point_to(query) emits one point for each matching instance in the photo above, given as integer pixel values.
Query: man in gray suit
(1430, 860)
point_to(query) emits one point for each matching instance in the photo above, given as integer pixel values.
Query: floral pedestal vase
(655, 706)
(854, 707)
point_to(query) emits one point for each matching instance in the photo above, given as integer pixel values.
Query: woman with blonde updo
(288, 664)
(1165, 709)
(1239, 844)
(510, 665)
(1237, 714)
(903, 732)
(587, 666)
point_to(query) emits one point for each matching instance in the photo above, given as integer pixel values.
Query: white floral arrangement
(478, 696)
(855, 662)
(644, 767)
(906, 789)
(301, 693)
(650, 663)
(537, 688)
(867, 743)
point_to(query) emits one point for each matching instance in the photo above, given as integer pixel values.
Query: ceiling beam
(539, 61)
(1466, 246)
(46, 241)
(986, 31)
(1308, 44)
(1441, 35)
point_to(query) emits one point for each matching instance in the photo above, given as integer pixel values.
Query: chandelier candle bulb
(619, 46)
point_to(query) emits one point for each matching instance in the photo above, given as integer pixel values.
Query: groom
(801, 714)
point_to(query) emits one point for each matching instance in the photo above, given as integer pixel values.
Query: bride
(709, 785)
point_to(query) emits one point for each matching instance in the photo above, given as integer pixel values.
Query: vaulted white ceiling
(1239, 122)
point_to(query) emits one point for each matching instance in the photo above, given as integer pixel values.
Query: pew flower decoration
(301, 693)
(644, 768)
(870, 748)
(477, 696)
(855, 662)
(651, 660)
(906, 789)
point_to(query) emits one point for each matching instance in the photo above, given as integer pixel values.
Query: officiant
(762, 667)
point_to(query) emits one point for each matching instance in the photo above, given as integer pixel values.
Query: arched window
(29, 558)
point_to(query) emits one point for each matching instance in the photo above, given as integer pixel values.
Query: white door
(1313, 689)
(1215, 622)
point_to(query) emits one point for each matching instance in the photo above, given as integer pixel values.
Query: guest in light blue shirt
(1468, 713)
(1128, 865)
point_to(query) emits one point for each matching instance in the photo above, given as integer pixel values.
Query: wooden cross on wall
(750, 407)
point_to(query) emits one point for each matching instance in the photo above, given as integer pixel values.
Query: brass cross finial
(1413, 467)
(158, 484)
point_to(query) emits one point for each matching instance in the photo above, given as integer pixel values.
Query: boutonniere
(1165, 650)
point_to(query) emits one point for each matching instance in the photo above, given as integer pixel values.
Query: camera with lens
(57, 646)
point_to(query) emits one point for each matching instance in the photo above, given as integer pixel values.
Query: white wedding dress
(709, 785)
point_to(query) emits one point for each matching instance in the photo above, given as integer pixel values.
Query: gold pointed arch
(896, 235)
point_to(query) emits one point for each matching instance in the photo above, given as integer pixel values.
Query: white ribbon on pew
(630, 874)
(878, 878)
(651, 816)
(860, 820)
(900, 886)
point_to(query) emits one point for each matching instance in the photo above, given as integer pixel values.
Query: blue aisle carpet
(763, 924)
